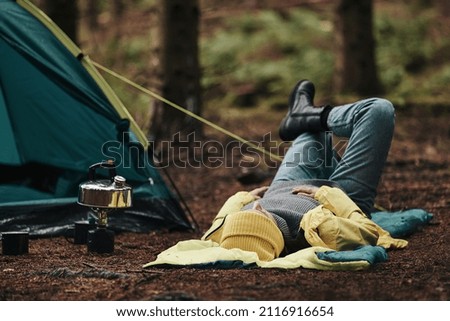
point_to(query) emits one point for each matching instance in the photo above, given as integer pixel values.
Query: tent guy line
(188, 112)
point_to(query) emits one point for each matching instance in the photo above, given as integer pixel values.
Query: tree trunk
(92, 14)
(176, 66)
(355, 66)
(444, 7)
(65, 14)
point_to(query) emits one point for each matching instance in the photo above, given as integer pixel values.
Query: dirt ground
(417, 176)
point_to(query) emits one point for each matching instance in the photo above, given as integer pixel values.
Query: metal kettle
(109, 193)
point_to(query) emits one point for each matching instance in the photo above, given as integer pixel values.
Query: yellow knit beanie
(252, 231)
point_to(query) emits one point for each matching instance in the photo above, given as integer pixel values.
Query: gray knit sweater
(288, 209)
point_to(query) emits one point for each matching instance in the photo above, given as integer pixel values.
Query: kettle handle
(110, 165)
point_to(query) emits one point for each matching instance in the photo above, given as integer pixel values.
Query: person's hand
(262, 211)
(259, 192)
(307, 190)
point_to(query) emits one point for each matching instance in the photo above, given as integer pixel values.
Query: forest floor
(417, 176)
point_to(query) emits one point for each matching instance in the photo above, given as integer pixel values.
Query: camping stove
(103, 197)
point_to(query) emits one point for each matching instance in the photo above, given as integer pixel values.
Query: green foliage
(136, 51)
(269, 51)
(402, 48)
(407, 55)
(266, 53)
(256, 57)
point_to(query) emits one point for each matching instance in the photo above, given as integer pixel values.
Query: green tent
(58, 116)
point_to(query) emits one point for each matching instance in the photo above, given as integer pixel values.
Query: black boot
(303, 116)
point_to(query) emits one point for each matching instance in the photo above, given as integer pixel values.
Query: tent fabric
(58, 117)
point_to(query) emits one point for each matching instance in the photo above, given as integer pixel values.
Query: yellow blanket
(200, 253)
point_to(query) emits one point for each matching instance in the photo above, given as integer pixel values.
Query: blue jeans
(369, 125)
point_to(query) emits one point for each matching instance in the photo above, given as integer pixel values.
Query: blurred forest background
(235, 63)
(230, 59)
